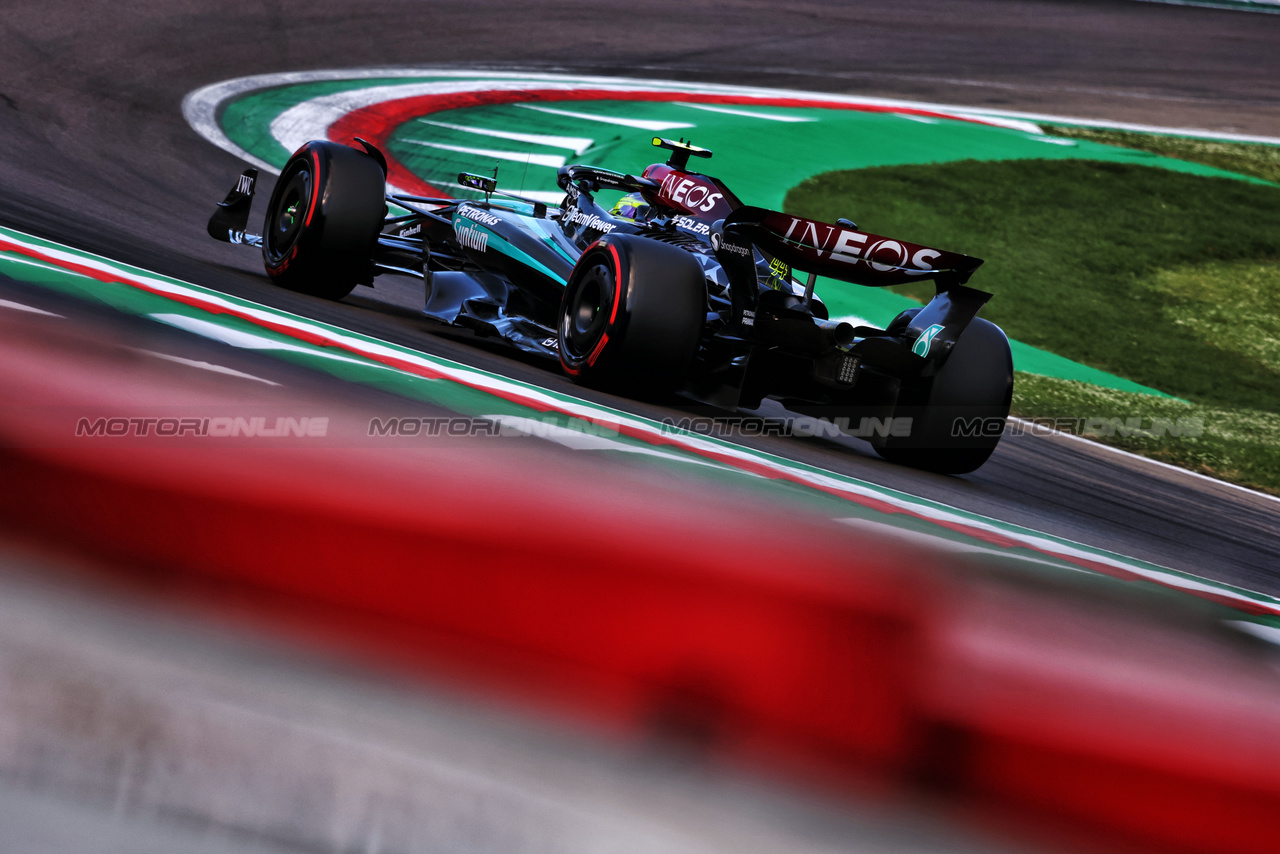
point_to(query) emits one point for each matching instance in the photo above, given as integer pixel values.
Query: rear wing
(843, 253)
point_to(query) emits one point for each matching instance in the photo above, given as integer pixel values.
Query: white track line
(17, 306)
(555, 161)
(924, 120)
(1268, 7)
(576, 144)
(772, 117)
(248, 340)
(1031, 426)
(639, 124)
(204, 366)
(1199, 133)
(577, 440)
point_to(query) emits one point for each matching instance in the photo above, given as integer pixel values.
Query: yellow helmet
(631, 206)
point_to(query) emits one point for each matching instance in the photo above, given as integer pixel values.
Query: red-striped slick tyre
(631, 315)
(324, 215)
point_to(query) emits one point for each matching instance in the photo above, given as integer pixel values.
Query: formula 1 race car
(679, 287)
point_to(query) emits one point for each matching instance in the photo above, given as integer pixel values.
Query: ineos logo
(892, 246)
(689, 193)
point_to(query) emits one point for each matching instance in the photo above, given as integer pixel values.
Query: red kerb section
(377, 121)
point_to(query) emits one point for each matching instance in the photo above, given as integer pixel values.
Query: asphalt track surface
(94, 152)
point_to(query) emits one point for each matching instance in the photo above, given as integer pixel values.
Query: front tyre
(957, 415)
(324, 215)
(631, 315)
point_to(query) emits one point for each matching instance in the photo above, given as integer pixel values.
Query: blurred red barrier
(690, 617)
(647, 601)
(654, 602)
(1112, 714)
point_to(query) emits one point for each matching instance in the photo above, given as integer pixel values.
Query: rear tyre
(631, 315)
(957, 415)
(324, 215)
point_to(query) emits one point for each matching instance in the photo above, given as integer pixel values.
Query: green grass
(1169, 279)
(1254, 159)
(1239, 445)
(1078, 255)
(1234, 304)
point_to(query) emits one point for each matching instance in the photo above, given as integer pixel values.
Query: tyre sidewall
(278, 264)
(655, 319)
(333, 252)
(594, 358)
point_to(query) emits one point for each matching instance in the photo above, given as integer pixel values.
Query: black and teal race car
(676, 287)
